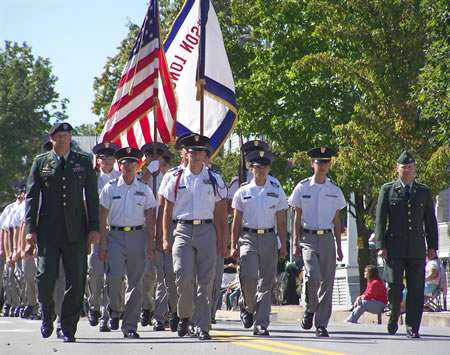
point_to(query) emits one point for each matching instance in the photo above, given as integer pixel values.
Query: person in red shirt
(373, 299)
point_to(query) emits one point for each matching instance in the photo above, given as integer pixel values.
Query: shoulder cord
(216, 185)
(177, 182)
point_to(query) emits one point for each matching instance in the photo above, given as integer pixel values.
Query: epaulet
(42, 154)
(80, 155)
(304, 180)
(113, 181)
(245, 183)
(389, 184)
(140, 180)
(233, 181)
(333, 182)
(274, 184)
(173, 169)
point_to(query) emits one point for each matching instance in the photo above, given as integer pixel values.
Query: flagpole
(155, 109)
(241, 160)
(200, 70)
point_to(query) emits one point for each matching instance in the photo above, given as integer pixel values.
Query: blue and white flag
(182, 48)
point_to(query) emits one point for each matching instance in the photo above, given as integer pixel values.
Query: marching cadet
(317, 201)
(195, 197)
(126, 206)
(98, 294)
(169, 275)
(63, 183)
(259, 206)
(246, 148)
(405, 220)
(153, 280)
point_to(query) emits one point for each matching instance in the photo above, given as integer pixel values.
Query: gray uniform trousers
(319, 256)
(29, 270)
(126, 255)
(194, 258)
(217, 286)
(98, 293)
(12, 291)
(148, 285)
(161, 296)
(169, 276)
(258, 267)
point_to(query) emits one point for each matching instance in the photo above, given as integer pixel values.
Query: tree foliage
(28, 101)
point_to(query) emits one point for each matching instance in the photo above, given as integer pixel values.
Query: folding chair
(437, 301)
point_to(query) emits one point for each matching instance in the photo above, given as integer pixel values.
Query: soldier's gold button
(63, 178)
(409, 212)
(410, 228)
(65, 204)
(409, 205)
(64, 187)
(64, 195)
(409, 220)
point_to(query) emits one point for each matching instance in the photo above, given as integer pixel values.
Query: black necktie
(62, 163)
(408, 195)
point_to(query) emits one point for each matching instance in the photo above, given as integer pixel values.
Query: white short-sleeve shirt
(259, 204)
(104, 178)
(319, 202)
(6, 215)
(195, 196)
(126, 203)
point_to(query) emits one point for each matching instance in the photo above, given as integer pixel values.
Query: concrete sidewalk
(294, 314)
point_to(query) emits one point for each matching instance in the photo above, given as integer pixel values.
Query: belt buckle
(260, 231)
(196, 221)
(320, 232)
(126, 229)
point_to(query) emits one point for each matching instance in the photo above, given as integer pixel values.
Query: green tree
(86, 129)
(379, 49)
(28, 101)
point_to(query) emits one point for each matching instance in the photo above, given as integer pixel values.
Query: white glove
(153, 167)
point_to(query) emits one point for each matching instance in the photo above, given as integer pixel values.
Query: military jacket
(402, 225)
(60, 195)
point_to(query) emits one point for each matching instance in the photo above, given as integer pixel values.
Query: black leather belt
(258, 231)
(317, 231)
(127, 229)
(194, 221)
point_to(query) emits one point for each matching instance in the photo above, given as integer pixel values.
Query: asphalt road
(18, 336)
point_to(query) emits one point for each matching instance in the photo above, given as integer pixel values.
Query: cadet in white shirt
(259, 206)
(98, 294)
(317, 201)
(126, 206)
(195, 197)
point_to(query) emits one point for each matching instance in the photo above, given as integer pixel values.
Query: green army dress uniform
(404, 239)
(62, 227)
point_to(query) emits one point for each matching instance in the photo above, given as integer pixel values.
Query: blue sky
(76, 35)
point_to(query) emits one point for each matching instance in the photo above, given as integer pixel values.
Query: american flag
(130, 122)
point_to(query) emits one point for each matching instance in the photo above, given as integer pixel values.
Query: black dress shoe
(158, 326)
(392, 328)
(411, 334)
(246, 318)
(28, 310)
(114, 323)
(69, 339)
(173, 322)
(193, 331)
(259, 330)
(145, 317)
(131, 334)
(322, 332)
(307, 320)
(59, 333)
(213, 321)
(93, 317)
(104, 326)
(47, 327)
(204, 335)
(183, 326)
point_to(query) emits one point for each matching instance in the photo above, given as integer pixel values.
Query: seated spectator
(432, 275)
(234, 291)
(373, 299)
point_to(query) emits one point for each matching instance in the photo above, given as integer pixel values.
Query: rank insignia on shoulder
(140, 193)
(181, 187)
(207, 182)
(246, 197)
(113, 181)
(306, 196)
(274, 184)
(335, 196)
(272, 194)
(333, 182)
(304, 180)
(245, 183)
(116, 197)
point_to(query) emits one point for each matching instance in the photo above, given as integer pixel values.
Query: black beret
(321, 154)
(105, 149)
(47, 146)
(405, 158)
(128, 155)
(260, 157)
(60, 127)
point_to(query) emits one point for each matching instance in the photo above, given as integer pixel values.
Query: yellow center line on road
(274, 345)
